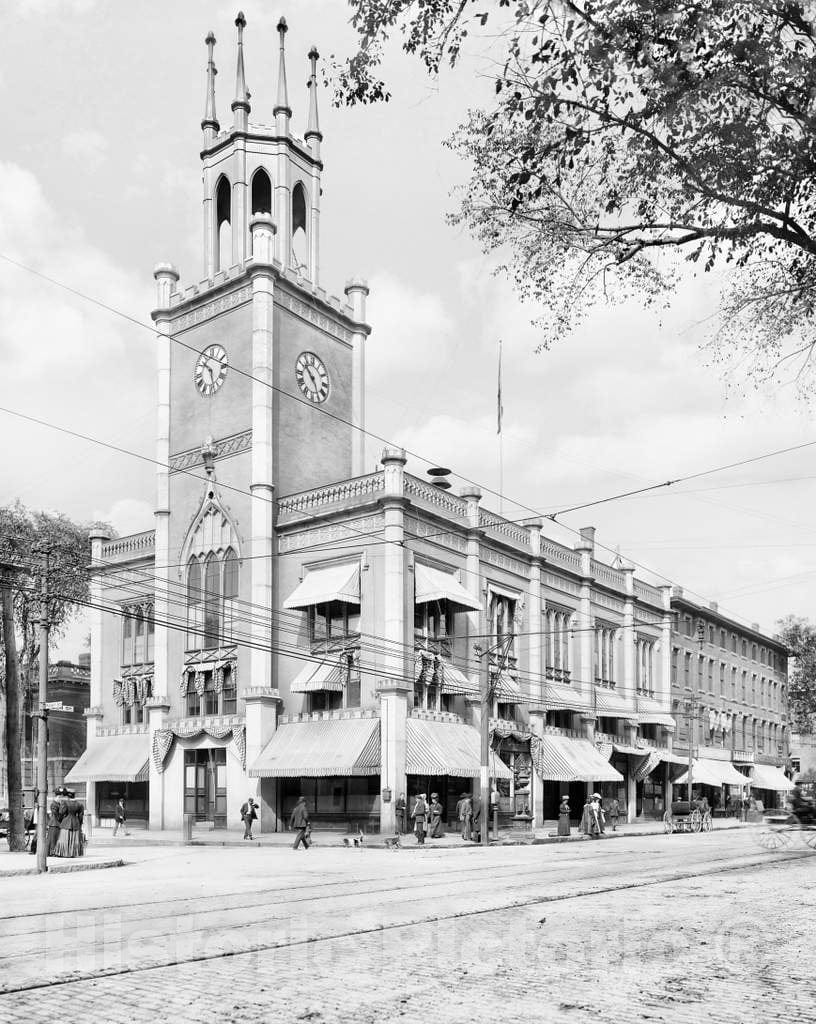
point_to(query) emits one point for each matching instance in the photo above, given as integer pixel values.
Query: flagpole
(499, 415)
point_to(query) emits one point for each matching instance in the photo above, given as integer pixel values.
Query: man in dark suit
(476, 810)
(299, 820)
(248, 814)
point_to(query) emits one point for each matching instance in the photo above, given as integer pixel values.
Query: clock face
(211, 369)
(312, 377)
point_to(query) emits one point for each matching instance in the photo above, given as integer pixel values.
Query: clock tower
(260, 371)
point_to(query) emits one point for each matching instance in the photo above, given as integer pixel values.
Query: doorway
(205, 785)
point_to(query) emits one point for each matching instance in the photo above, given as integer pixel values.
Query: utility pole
(42, 731)
(14, 774)
(487, 692)
(692, 707)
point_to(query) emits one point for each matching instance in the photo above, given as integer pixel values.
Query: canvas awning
(456, 682)
(321, 748)
(114, 759)
(656, 718)
(624, 748)
(332, 583)
(330, 674)
(506, 690)
(671, 758)
(705, 772)
(434, 585)
(607, 702)
(447, 748)
(766, 776)
(564, 759)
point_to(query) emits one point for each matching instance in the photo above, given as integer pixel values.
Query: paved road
(666, 928)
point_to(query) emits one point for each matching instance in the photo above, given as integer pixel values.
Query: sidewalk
(103, 840)
(15, 864)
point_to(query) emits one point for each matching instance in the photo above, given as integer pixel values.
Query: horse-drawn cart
(683, 816)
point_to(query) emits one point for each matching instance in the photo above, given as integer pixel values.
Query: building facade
(729, 697)
(68, 683)
(294, 625)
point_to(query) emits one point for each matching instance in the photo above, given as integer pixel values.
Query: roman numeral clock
(312, 377)
(210, 369)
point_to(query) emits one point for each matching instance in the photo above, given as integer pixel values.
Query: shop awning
(114, 759)
(766, 776)
(316, 749)
(333, 583)
(434, 585)
(672, 758)
(607, 702)
(705, 772)
(624, 748)
(330, 674)
(564, 759)
(506, 690)
(656, 718)
(447, 748)
(456, 682)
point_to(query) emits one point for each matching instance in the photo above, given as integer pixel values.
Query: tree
(625, 131)
(799, 636)
(23, 535)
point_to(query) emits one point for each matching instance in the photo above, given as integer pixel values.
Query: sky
(100, 180)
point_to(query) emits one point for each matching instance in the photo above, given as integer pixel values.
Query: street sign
(57, 705)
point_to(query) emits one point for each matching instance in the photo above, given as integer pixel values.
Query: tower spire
(210, 125)
(240, 105)
(282, 108)
(313, 135)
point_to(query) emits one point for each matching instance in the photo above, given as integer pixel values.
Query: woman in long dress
(590, 826)
(69, 841)
(564, 817)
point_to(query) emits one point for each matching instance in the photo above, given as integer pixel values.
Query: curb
(64, 869)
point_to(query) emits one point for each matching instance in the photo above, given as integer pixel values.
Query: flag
(499, 406)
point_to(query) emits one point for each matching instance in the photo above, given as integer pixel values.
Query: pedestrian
(614, 812)
(70, 841)
(476, 817)
(120, 818)
(564, 816)
(599, 811)
(436, 817)
(401, 808)
(55, 812)
(465, 815)
(299, 821)
(590, 826)
(420, 816)
(248, 814)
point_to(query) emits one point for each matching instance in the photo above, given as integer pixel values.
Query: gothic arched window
(212, 592)
(261, 192)
(299, 243)
(212, 601)
(223, 222)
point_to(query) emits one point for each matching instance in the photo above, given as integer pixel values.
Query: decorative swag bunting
(163, 739)
(132, 690)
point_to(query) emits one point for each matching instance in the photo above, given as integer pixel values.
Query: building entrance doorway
(205, 785)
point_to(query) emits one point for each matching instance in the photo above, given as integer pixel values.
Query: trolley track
(721, 866)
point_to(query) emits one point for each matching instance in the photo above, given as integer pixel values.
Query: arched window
(299, 242)
(261, 192)
(194, 604)
(223, 222)
(212, 601)
(212, 592)
(230, 582)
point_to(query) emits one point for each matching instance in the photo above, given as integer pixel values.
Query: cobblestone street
(670, 929)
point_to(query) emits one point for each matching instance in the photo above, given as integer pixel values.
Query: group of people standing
(426, 816)
(64, 833)
(593, 818)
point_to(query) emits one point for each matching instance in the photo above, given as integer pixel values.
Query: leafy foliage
(800, 637)
(627, 129)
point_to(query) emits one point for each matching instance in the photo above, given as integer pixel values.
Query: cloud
(127, 515)
(86, 145)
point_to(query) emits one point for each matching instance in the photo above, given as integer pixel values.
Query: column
(398, 683)
(473, 578)
(357, 292)
(585, 547)
(238, 215)
(631, 731)
(166, 280)
(283, 209)
(93, 714)
(210, 235)
(93, 719)
(263, 706)
(262, 465)
(158, 710)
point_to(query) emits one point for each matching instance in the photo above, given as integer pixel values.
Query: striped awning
(330, 675)
(624, 748)
(648, 765)
(506, 690)
(434, 585)
(331, 583)
(565, 759)
(766, 776)
(447, 748)
(321, 748)
(114, 759)
(608, 702)
(456, 682)
(656, 718)
(706, 772)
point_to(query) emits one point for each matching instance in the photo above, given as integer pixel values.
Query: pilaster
(531, 646)
(473, 578)
(585, 548)
(97, 616)
(357, 292)
(262, 463)
(664, 694)
(263, 706)
(158, 709)
(93, 719)
(629, 638)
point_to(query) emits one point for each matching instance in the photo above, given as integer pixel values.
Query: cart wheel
(707, 823)
(696, 820)
(668, 826)
(774, 839)
(809, 838)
